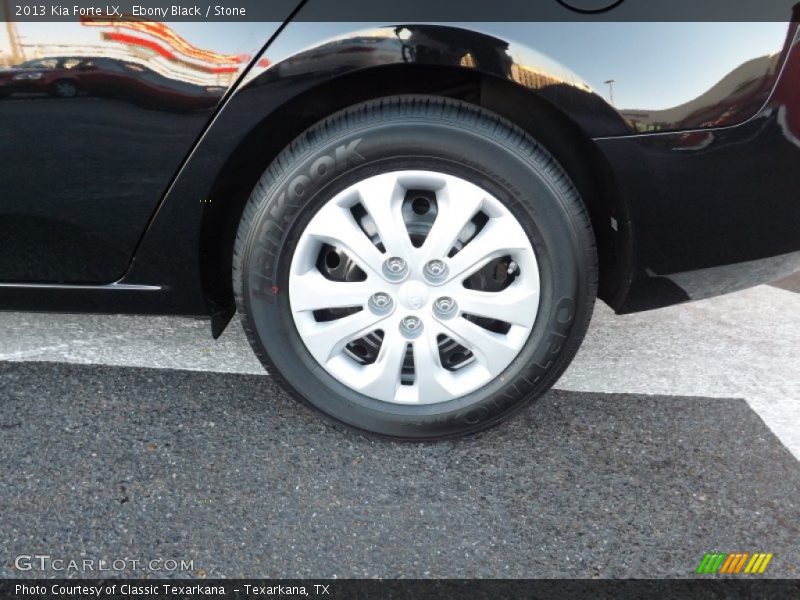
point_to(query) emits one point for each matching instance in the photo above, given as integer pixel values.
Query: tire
(64, 89)
(465, 146)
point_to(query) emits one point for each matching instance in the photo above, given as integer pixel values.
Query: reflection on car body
(67, 77)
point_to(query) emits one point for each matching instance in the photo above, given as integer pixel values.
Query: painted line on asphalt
(586, 485)
(744, 345)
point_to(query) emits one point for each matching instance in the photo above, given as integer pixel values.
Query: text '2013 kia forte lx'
(413, 221)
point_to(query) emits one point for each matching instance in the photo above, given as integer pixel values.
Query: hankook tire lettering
(323, 168)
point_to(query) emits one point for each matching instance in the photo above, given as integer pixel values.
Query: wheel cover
(65, 88)
(398, 331)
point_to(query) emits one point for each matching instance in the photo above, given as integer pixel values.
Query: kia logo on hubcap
(413, 295)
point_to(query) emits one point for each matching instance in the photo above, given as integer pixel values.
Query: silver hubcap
(414, 287)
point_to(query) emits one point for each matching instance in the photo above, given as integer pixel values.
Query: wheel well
(574, 150)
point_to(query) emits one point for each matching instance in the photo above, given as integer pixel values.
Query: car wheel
(415, 267)
(65, 89)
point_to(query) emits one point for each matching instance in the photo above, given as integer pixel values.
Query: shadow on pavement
(228, 471)
(791, 283)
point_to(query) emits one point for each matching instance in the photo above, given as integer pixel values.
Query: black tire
(425, 133)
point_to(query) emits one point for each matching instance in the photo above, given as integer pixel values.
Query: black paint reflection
(92, 138)
(97, 117)
(716, 211)
(68, 77)
(734, 99)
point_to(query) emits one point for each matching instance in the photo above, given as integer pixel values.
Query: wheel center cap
(413, 295)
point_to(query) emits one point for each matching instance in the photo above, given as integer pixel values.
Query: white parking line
(745, 345)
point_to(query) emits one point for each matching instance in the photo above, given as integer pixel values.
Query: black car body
(109, 203)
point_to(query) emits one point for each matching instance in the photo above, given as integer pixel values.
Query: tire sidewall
(328, 162)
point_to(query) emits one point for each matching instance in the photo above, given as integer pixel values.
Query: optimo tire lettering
(565, 315)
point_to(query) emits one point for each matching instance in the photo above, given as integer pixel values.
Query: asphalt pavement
(674, 434)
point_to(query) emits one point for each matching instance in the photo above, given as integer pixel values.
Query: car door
(82, 175)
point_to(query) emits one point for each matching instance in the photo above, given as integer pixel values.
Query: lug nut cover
(445, 307)
(411, 326)
(381, 303)
(435, 270)
(395, 268)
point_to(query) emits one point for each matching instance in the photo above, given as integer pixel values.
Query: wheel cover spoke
(458, 204)
(482, 329)
(513, 306)
(499, 237)
(432, 379)
(383, 376)
(382, 198)
(492, 350)
(314, 292)
(336, 226)
(324, 340)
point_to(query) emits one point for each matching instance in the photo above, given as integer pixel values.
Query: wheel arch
(277, 100)
(562, 137)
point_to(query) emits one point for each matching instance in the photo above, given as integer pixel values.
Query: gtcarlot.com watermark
(46, 562)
